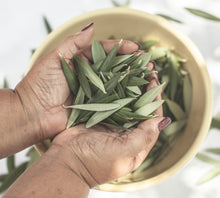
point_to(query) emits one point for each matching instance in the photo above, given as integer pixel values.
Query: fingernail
(138, 44)
(88, 26)
(164, 123)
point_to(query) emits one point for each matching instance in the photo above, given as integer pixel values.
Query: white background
(22, 29)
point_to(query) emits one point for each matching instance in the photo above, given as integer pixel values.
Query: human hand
(44, 89)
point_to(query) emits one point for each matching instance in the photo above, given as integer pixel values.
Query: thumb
(72, 44)
(142, 139)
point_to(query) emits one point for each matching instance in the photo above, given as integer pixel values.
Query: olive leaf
(99, 116)
(116, 4)
(12, 176)
(174, 127)
(213, 150)
(47, 25)
(70, 76)
(169, 18)
(176, 109)
(146, 45)
(98, 52)
(11, 163)
(94, 106)
(187, 93)
(89, 73)
(149, 108)
(75, 112)
(203, 14)
(214, 172)
(33, 155)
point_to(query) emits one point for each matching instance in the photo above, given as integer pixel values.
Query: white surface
(22, 29)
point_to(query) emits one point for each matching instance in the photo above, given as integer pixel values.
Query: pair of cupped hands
(96, 155)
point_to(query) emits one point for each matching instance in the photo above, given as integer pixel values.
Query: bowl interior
(132, 24)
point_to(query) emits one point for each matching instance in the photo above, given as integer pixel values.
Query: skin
(79, 158)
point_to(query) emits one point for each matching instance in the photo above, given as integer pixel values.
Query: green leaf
(13, 176)
(75, 112)
(130, 124)
(207, 159)
(215, 123)
(173, 74)
(33, 155)
(214, 172)
(136, 81)
(11, 163)
(174, 127)
(176, 110)
(169, 18)
(89, 73)
(47, 25)
(141, 61)
(116, 4)
(84, 83)
(134, 89)
(146, 45)
(99, 116)
(98, 52)
(95, 107)
(148, 97)
(120, 91)
(70, 76)
(3, 177)
(119, 67)
(187, 93)
(213, 150)
(203, 14)
(149, 108)
(158, 53)
(108, 61)
(120, 59)
(5, 84)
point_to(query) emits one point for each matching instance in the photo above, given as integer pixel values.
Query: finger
(125, 47)
(144, 136)
(74, 43)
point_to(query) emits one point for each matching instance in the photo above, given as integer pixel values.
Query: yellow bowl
(127, 23)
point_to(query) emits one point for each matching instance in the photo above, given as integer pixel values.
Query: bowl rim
(191, 152)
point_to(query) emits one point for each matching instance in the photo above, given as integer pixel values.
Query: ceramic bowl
(127, 23)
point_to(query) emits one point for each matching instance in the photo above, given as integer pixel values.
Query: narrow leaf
(207, 159)
(13, 176)
(173, 72)
(213, 150)
(187, 93)
(98, 52)
(116, 4)
(11, 163)
(89, 73)
(134, 89)
(215, 123)
(174, 127)
(203, 14)
(149, 108)
(33, 155)
(120, 59)
(120, 91)
(108, 61)
(95, 107)
(3, 177)
(70, 76)
(176, 110)
(214, 172)
(146, 45)
(169, 18)
(158, 53)
(75, 112)
(136, 81)
(141, 61)
(47, 25)
(99, 116)
(148, 97)
(5, 84)
(84, 83)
